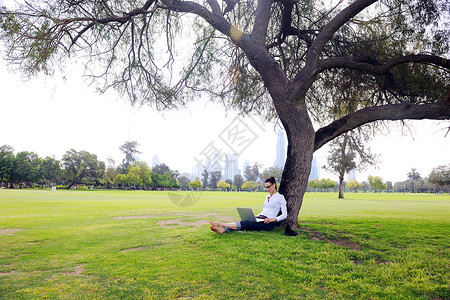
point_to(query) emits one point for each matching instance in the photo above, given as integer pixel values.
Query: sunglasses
(268, 186)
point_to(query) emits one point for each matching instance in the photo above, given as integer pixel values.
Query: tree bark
(341, 185)
(300, 135)
(342, 169)
(391, 112)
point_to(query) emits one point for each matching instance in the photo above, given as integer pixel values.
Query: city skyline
(51, 116)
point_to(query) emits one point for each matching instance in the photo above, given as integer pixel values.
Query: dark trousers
(257, 226)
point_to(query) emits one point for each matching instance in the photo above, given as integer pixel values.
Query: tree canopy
(292, 60)
(83, 167)
(130, 150)
(376, 182)
(440, 175)
(347, 152)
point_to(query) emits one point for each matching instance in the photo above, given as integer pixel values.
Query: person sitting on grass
(274, 203)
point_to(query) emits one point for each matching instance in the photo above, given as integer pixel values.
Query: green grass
(92, 245)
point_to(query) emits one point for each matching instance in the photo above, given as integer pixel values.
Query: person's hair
(272, 181)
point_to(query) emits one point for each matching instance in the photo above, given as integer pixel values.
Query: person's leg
(232, 226)
(220, 227)
(257, 226)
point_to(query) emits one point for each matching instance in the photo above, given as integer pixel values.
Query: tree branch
(377, 68)
(286, 28)
(109, 19)
(337, 22)
(262, 18)
(215, 20)
(304, 79)
(391, 112)
(214, 7)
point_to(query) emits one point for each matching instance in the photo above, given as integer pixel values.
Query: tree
(414, 176)
(162, 177)
(215, 177)
(348, 152)
(6, 163)
(400, 187)
(82, 167)
(183, 181)
(50, 169)
(238, 181)
(251, 173)
(440, 175)
(143, 170)
(221, 184)
(121, 179)
(111, 171)
(130, 150)
(352, 184)
(161, 169)
(283, 59)
(272, 172)
(389, 186)
(422, 186)
(133, 177)
(314, 184)
(26, 167)
(196, 184)
(205, 181)
(327, 184)
(376, 182)
(230, 182)
(363, 185)
(250, 185)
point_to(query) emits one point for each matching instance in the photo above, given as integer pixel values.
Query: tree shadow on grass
(318, 236)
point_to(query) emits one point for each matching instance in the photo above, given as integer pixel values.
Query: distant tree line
(252, 179)
(80, 169)
(437, 181)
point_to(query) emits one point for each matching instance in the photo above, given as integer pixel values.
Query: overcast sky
(50, 116)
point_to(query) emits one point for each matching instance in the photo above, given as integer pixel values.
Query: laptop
(247, 214)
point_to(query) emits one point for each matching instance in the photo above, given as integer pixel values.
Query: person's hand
(268, 220)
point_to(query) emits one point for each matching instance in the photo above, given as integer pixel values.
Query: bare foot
(217, 229)
(215, 224)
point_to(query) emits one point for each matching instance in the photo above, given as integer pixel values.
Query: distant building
(155, 160)
(281, 157)
(315, 169)
(350, 175)
(281, 150)
(197, 171)
(216, 164)
(244, 166)
(231, 166)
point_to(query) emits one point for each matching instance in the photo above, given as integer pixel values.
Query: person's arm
(257, 216)
(283, 209)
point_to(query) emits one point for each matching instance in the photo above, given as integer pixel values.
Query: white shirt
(272, 207)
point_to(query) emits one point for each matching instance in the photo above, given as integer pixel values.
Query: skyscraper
(231, 166)
(281, 150)
(197, 171)
(244, 166)
(155, 160)
(350, 175)
(315, 169)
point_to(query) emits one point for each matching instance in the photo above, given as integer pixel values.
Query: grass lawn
(140, 245)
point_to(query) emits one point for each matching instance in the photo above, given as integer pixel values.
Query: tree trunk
(300, 135)
(341, 185)
(342, 167)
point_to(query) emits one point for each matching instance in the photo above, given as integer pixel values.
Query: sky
(50, 116)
